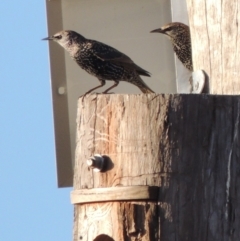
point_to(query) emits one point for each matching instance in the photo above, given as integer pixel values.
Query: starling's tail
(142, 86)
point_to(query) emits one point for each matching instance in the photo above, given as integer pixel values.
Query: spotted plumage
(101, 60)
(179, 34)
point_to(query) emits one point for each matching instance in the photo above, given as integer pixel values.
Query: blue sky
(32, 207)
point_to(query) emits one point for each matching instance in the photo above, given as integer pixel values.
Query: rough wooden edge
(115, 194)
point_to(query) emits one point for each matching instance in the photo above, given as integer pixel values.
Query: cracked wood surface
(115, 194)
(188, 145)
(124, 128)
(214, 28)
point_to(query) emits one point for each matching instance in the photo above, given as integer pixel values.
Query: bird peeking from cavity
(179, 34)
(101, 61)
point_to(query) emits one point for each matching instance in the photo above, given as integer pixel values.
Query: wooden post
(174, 173)
(215, 30)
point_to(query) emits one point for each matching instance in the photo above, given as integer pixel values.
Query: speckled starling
(101, 61)
(179, 34)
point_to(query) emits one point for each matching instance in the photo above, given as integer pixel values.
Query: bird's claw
(84, 95)
(107, 93)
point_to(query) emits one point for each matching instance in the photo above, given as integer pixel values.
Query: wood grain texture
(188, 145)
(145, 193)
(215, 46)
(116, 127)
(124, 128)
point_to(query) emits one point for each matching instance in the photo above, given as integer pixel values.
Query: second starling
(101, 60)
(179, 34)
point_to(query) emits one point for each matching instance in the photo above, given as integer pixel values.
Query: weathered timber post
(215, 30)
(174, 173)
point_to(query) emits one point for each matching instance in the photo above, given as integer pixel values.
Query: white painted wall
(124, 25)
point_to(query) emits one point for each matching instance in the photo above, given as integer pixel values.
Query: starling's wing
(107, 53)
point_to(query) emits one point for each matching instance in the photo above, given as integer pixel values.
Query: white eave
(125, 25)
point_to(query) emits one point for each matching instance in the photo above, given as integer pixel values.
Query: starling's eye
(168, 29)
(58, 36)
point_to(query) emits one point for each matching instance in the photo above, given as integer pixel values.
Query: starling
(179, 34)
(101, 61)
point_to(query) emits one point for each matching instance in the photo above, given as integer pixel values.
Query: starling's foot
(83, 96)
(108, 93)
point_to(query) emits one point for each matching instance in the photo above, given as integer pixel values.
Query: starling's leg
(102, 83)
(111, 87)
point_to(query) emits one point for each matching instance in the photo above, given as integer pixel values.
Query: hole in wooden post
(103, 237)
